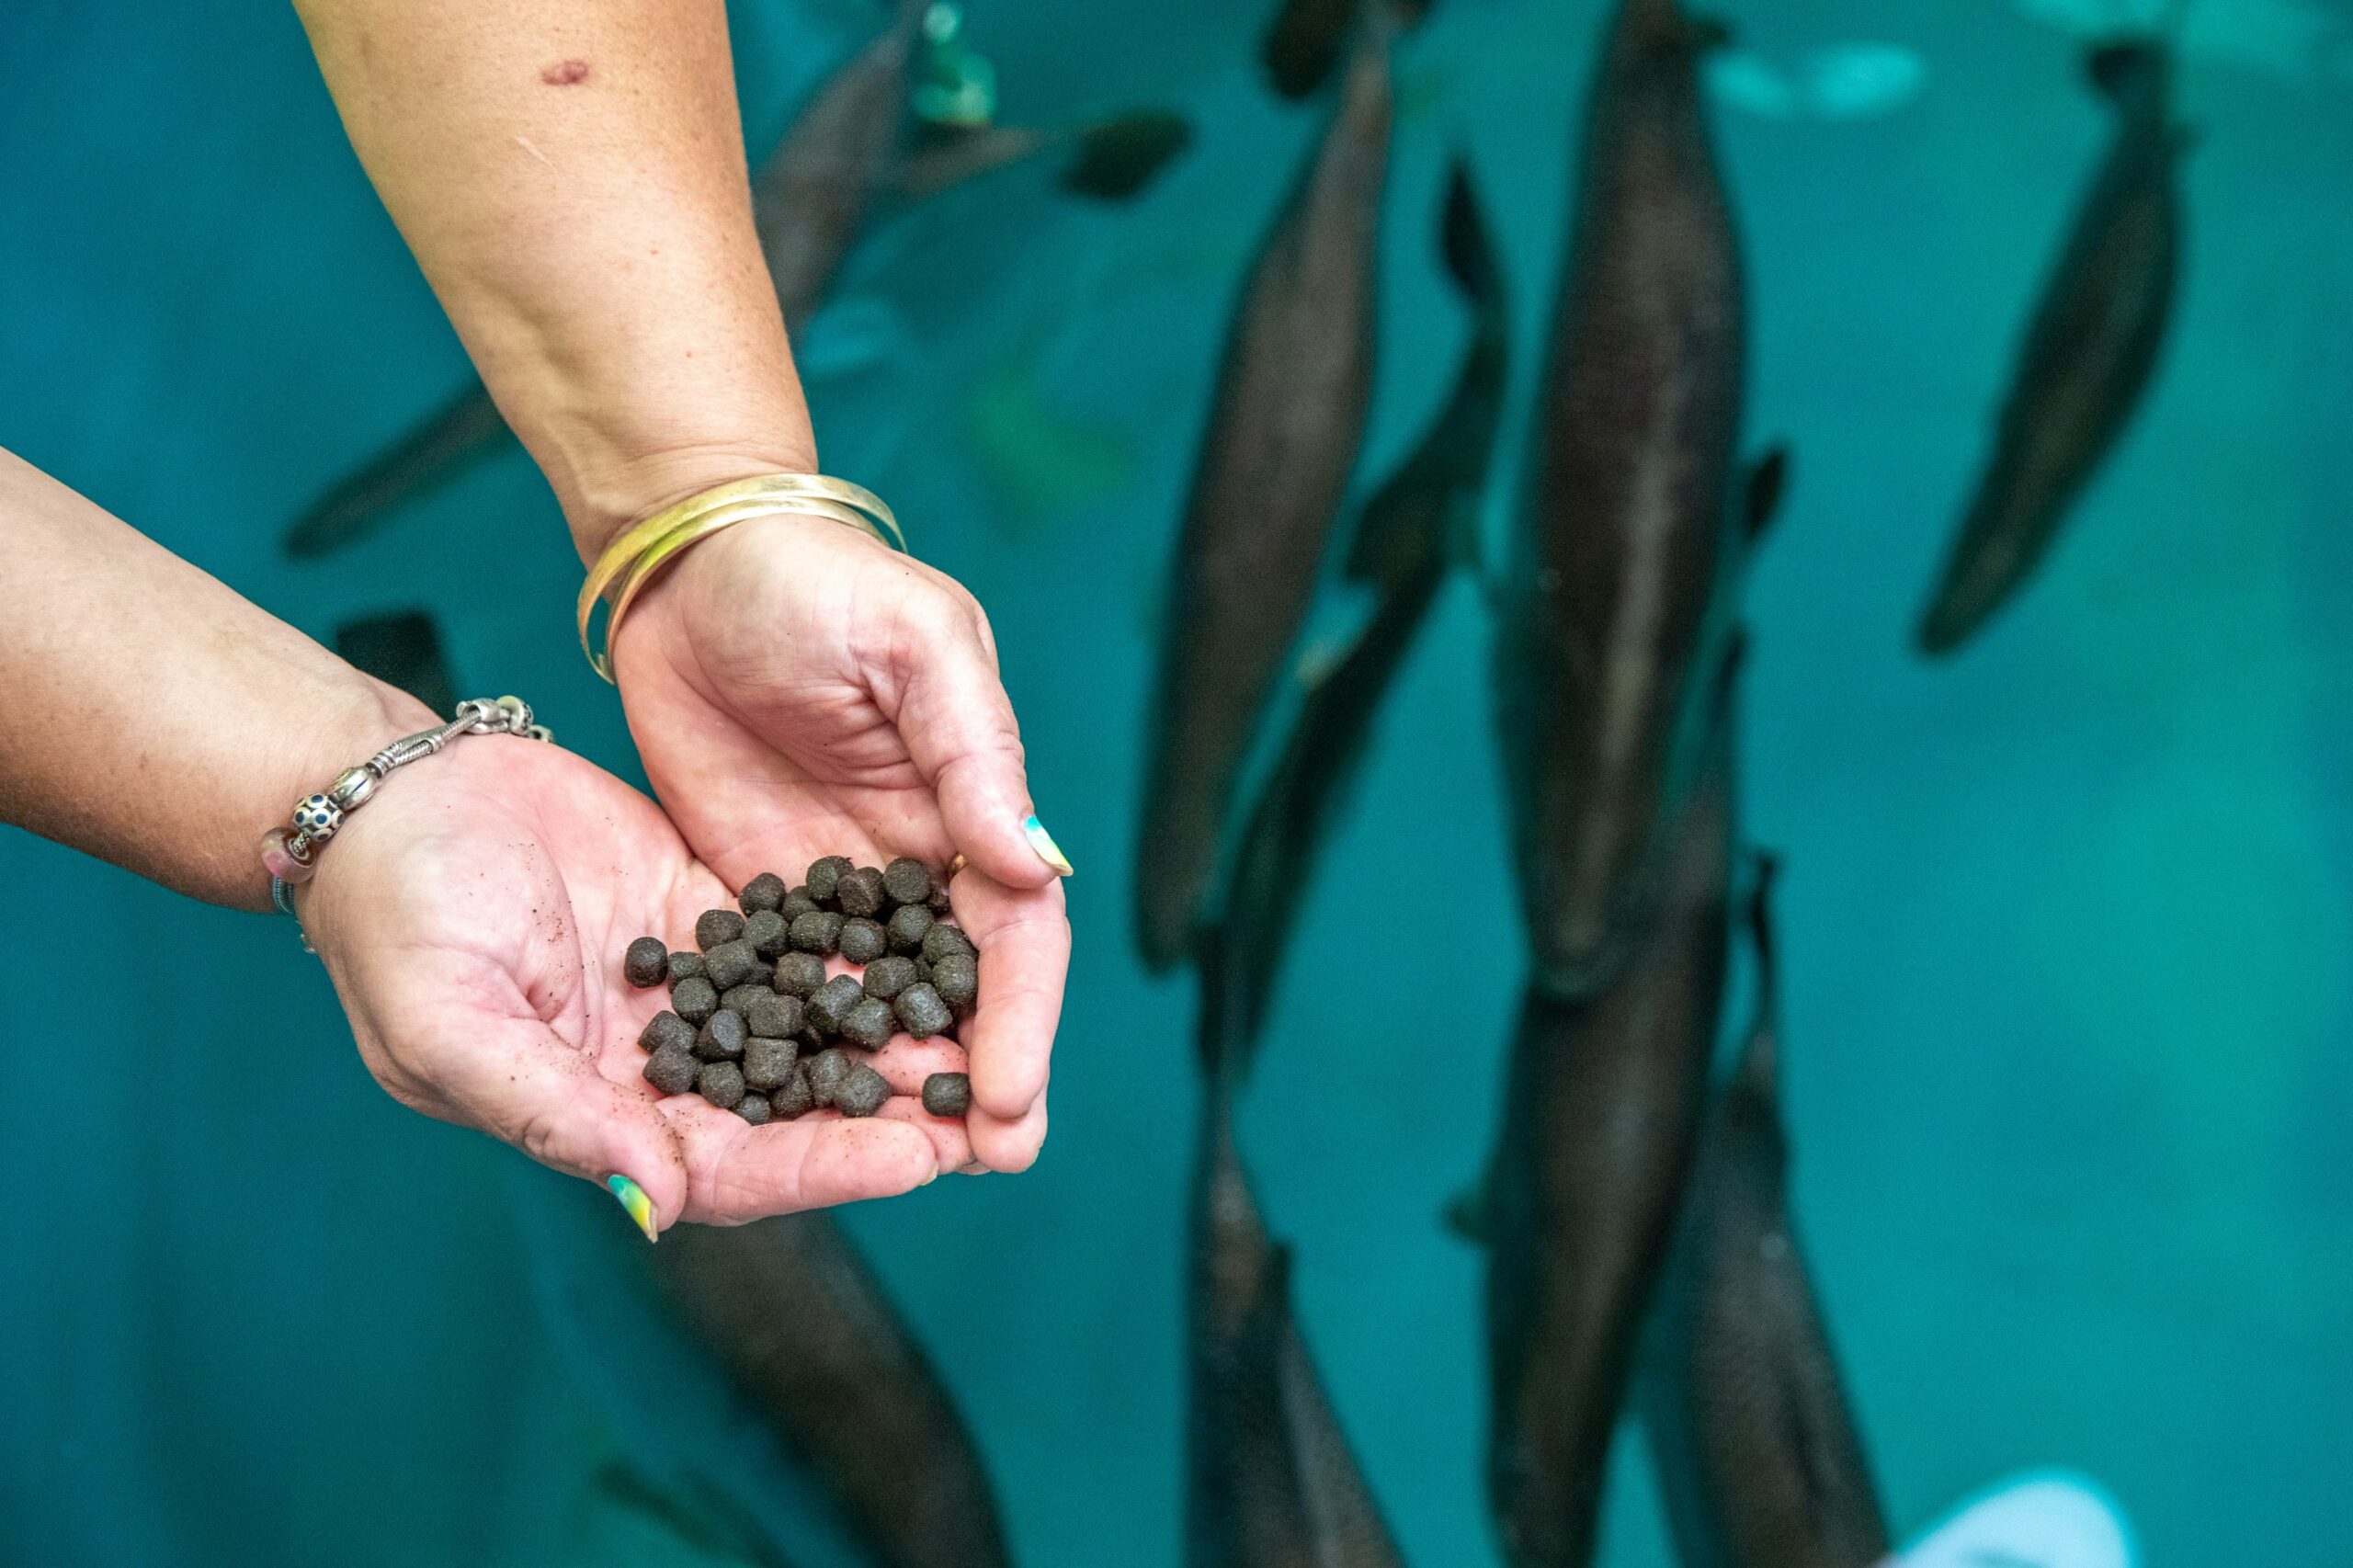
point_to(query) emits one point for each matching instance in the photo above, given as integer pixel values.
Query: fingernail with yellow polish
(641, 1207)
(1043, 842)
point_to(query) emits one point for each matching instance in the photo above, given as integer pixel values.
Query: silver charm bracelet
(290, 855)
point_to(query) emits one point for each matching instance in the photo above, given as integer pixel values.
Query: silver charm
(352, 787)
(317, 818)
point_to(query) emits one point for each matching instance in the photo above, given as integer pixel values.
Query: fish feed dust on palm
(762, 1024)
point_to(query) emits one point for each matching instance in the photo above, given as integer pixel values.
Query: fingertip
(1008, 1145)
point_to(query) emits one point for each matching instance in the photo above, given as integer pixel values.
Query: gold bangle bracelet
(634, 559)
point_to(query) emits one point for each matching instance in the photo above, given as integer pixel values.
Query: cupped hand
(796, 690)
(473, 917)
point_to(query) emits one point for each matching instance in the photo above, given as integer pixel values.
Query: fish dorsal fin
(1761, 1064)
(1120, 156)
(1769, 482)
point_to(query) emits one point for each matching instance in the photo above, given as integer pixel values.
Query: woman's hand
(474, 917)
(798, 690)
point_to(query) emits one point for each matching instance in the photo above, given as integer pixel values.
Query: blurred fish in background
(402, 648)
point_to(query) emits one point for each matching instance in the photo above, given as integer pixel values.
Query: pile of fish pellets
(757, 1026)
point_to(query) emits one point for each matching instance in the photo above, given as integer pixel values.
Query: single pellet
(826, 875)
(828, 1007)
(722, 1037)
(944, 939)
(818, 933)
(647, 962)
(937, 902)
(695, 998)
(870, 1025)
(908, 924)
(792, 1098)
(764, 892)
(714, 926)
(957, 978)
(740, 998)
(721, 1083)
(666, 1031)
(922, 1012)
(947, 1094)
(685, 966)
(755, 1109)
(768, 1063)
(859, 892)
(862, 941)
(827, 1069)
(886, 977)
(797, 903)
(907, 881)
(767, 931)
(772, 1017)
(797, 975)
(672, 1072)
(729, 964)
(863, 1092)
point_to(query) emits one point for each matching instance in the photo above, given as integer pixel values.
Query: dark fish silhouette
(1620, 587)
(1282, 436)
(805, 1326)
(1410, 535)
(1304, 40)
(400, 648)
(2088, 354)
(1601, 1114)
(1756, 1450)
(817, 192)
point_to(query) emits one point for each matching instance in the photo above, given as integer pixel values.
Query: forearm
(154, 718)
(572, 180)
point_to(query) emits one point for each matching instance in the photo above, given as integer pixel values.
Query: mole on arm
(565, 73)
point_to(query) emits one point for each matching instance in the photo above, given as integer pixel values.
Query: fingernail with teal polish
(1043, 842)
(641, 1207)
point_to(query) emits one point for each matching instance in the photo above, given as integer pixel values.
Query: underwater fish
(1758, 1455)
(1304, 39)
(1624, 559)
(1412, 532)
(2089, 350)
(808, 1335)
(1111, 160)
(1284, 426)
(1602, 1106)
(400, 648)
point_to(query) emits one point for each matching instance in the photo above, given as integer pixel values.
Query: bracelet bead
(352, 787)
(317, 817)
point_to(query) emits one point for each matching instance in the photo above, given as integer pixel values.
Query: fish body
(2090, 350)
(1410, 535)
(1617, 578)
(1270, 1482)
(1603, 1101)
(1284, 426)
(1759, 1457)
(794, 1313)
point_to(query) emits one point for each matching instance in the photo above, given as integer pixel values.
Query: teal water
(2066, 919)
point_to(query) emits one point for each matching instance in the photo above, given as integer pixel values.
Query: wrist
(598, 508)
(342, 729)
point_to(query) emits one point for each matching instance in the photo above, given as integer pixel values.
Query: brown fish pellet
(755, 1109)
(792, 1098)
(767, 932)
(721, 1083)
(957, 978)
(937, 902)
(714, 926)
(862, 941)
(685, 966)
(907, 881)
(862, 1091)
(764, 892)
(886, 977)
(797, 903)
(722, 1037)
(859, 892)
(947, 1094)
(797, 975)
(672, 1072)
(870, 1025)
(729, 964)
(818, 933)
(908, 924)
(826, 875)
(740, 998)
(772, 1017)
(922, 1012)
(828, 1007)
(827, 1069)
(943, 939)
(665, 1030)
(695, 998)
(647, 962)
(770, 1063)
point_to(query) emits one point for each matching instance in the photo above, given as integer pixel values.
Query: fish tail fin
(1303, 39)
(1759, 1071)
(1119, 157)
(2124, 68)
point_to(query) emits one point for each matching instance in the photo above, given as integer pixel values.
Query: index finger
(1024, 939)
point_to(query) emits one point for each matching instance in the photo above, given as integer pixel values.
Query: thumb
(958, 728)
